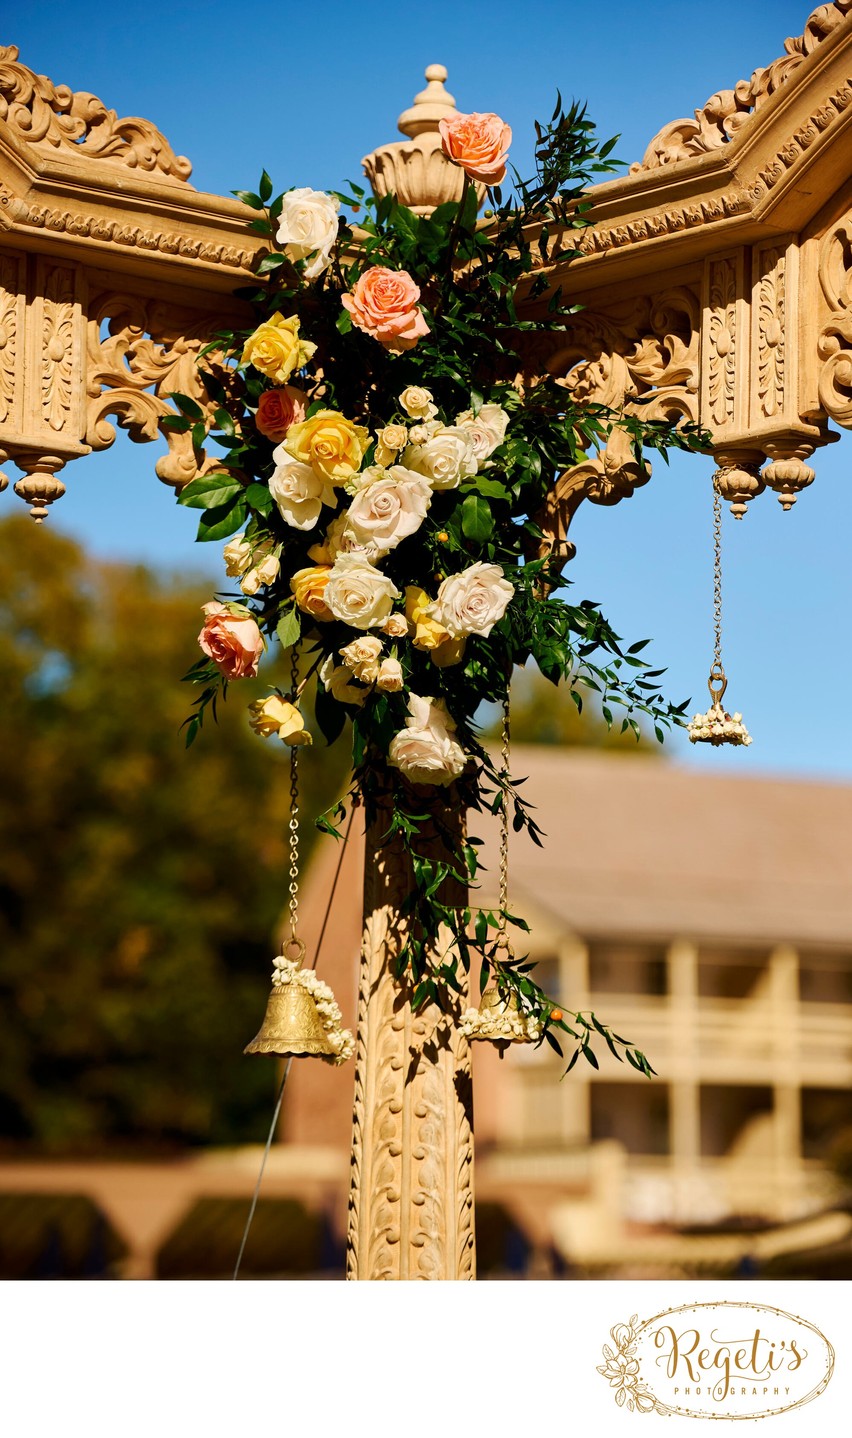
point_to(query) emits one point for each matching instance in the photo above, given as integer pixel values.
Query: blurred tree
(140, 883)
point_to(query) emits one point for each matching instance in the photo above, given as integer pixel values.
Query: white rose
(388, 509)
(390, 441)
(471, 602)
(487, 430)
(389, 676)
(396, 625)
(357, 593)
(337, 679)
(445, 459)
(308, 226)
(417, 402)
(425, 750)
(269, 569)
(299, 491)
(361, 657)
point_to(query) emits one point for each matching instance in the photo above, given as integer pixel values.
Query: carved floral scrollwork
(727, 111)
(722, 336)
(411, 1202)
(771, 299)
(641, 358)
(834, 345)
(55, 118)
(149, 352)
(57, 354)
(10, 337)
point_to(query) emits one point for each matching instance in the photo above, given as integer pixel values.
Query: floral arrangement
(389, 442)
(289, 971)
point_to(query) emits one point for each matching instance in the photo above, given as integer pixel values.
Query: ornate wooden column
(411, 1195)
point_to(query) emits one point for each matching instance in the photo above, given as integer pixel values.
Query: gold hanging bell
(291, 1025)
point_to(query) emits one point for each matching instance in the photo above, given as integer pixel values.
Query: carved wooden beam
(114, 272)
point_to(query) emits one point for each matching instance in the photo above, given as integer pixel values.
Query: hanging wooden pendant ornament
(302, 1016)
(717, 726)
(499, 1018)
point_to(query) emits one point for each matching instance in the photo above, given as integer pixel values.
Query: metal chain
(294, 806)
(504, 823)
(717, 577)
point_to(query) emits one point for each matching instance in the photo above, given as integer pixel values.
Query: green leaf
(477, 521)
(209, 491)
(344, 322)
(269, 263)
(330, 714)
(248, 198)
(224, 521)
(258, 496)
(265, 187)
(289, 627)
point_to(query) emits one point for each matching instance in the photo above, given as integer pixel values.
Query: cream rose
(308, 226)
(471, 602)
(299, 491)
(445, 459)
(277, 716)
(389, 676)
(361, 658)
(389, 442)
(395, 626)
(238, 556)
(388, 509)
(358, 593)
(337, 679)
(487, 429)
(264, 573)
(418, 402)
(276, 349)
(425, 751)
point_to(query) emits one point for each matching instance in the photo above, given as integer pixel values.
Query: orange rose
(384, 305)
(479, 144)
(233, 641)
(277, 409)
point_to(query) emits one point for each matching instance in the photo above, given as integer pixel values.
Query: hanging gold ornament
(302, 1017)
(717, 726)
(499, 1018)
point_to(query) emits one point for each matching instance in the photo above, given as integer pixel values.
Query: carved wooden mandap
(716, 284)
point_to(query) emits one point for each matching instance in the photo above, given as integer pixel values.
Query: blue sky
(305, 91)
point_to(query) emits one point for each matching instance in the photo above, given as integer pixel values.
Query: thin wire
(274, 1123)
(334, 886)
(262, 1167)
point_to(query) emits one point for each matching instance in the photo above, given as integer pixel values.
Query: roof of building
(643, 849)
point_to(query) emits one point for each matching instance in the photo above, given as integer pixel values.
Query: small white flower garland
(718, 727)
(287, 971)
(503, 1024)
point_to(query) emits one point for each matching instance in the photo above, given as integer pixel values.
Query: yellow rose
(277, 716)
(276, 349)
(308, 585)
(451, 651)
(428, 634)
(330, 443)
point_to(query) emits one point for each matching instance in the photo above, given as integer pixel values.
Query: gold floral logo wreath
(621, 1369)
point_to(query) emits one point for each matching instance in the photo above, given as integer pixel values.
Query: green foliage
(489, 296)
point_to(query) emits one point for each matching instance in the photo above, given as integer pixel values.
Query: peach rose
(384, 305)
(308, 585)
(479, 144)
(233, 641)
(277, 409)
